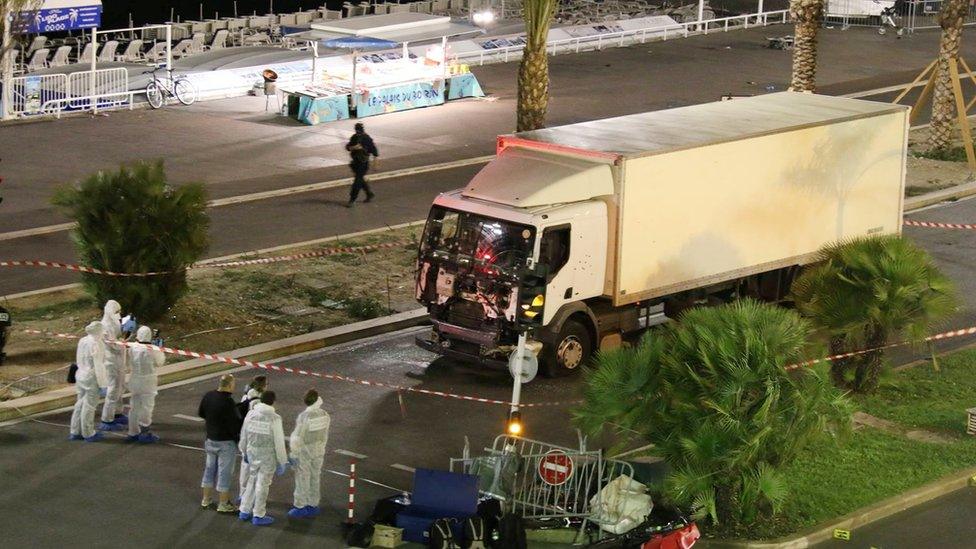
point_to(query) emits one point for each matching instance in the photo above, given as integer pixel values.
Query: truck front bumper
(426, 343)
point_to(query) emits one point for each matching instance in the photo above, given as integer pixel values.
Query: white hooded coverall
(91, 352)
(263, 442)
(142, 382)
(114, 361)
(308, 442)
(252, 396)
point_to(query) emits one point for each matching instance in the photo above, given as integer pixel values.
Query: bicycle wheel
(154, 95)
(185, 91)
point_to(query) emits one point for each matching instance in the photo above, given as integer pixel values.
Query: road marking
(185, 447)
(350, 454)
(188, 418)
(264, 195)
(366, 480)
(403, 468)
(895, 88)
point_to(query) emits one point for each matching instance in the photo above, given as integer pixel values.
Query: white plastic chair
(60, 58)
(219, 40)
(38, 60)
(36, 44)
(86, 54)
(107, 53)
(157, 52)
(197, 43)
(133, 52)
(182, 49)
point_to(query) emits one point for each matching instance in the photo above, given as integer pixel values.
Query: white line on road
(402, 467)
(188, 418)
(895, 88)
(252, 197)
(350, 454)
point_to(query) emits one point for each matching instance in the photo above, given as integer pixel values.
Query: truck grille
(466, 313)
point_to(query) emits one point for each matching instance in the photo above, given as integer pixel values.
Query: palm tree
(867, 293)
(806, 15)
(533, 75)
(951, 18)
(714, 397)
(131, 221)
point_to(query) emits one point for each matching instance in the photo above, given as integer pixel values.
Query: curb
(60, 398)
(928, 199)
(861, 517)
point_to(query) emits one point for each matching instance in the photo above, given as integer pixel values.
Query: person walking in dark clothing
(360, 148)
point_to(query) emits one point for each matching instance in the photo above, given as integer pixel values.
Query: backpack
(490, 511)
(474, 533)
(440, 535)
(360, 535)
(511, 532)
(72, 373)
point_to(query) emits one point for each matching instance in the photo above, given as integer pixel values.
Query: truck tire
(570, 350)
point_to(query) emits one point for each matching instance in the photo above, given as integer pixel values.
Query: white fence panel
(110, 87)
(32, 92)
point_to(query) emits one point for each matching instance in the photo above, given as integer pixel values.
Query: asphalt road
(236, 148)
(111, 493)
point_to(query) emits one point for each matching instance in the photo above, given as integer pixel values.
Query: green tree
(714, 396)
(131, 221)
(870, 292)
(533, 74)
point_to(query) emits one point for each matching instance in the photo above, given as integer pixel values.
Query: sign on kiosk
(555, 468)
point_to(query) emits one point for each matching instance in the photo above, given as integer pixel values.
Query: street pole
(701, 13)
(7, 65)
(517, 374)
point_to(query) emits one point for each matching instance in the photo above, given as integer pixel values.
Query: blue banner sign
(315, 110)
(60, 19)
(400, 98)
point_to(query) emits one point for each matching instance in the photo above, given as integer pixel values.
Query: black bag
(511, 532)
(360, 534)
(475, 533)
(386, 510)
(72, 372)
(440, 535)
(490, 512)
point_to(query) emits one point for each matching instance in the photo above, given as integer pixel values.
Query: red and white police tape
(241, 263)
(938, 225)
(401, 388)
(299, 371)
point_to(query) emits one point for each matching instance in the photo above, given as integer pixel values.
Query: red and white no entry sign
(555, 468)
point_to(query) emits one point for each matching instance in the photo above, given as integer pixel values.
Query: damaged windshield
(481, 241)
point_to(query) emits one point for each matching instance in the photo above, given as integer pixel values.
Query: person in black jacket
(223, 418)
(360, 148)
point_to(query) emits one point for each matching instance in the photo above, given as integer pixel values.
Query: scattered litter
(298, 310)
(333, 304)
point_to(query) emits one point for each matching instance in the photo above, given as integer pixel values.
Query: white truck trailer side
(575, 231)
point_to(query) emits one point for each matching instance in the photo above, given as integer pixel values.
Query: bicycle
(159, 89)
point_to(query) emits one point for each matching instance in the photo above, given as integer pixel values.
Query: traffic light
(532, 298)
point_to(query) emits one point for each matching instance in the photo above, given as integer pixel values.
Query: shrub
(867, 293)
(132, 221)
(713, 396)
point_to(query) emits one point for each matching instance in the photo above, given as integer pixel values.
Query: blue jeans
(221, 458)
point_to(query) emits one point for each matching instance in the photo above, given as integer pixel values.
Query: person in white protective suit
(308, 442)
(263, 446)
(91, 352)
(252, 396)
(143, 361)
(112, 417)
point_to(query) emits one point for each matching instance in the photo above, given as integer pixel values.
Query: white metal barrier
(108, 87)
(30, 93)
(628, 37)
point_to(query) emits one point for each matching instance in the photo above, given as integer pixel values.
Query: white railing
(30, 93)
(634, 36)
(49, 94)
(83, 86)
(56, 107)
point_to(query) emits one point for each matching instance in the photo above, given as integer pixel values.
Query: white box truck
(576, 232)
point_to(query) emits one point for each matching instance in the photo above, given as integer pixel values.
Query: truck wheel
(569, 351)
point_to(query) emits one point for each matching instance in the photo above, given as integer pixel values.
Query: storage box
(436, 495)
(386, 536)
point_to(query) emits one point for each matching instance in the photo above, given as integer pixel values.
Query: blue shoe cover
(147, 438)
(75, 437)
(132, 438)
(244, 516)
(110, 426)
(298, 512)
(312, 510)
(121, 419)
(262, 521)
(95, 438)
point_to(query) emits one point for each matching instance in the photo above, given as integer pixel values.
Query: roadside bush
(132, 221)
(365, 308)
(713, 396)
(867, 293)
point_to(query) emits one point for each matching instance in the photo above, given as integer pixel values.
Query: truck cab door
(554, 252)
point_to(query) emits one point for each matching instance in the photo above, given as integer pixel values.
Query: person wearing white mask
(308, 442)
(112, 417)
(91, 351)
(144, 361)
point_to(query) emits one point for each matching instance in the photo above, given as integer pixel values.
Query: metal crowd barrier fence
(628, 37)
(47, 94)
(539, 480)
(28, 385)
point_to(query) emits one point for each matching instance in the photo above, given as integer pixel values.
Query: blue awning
(61, 15)
(358, 43)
